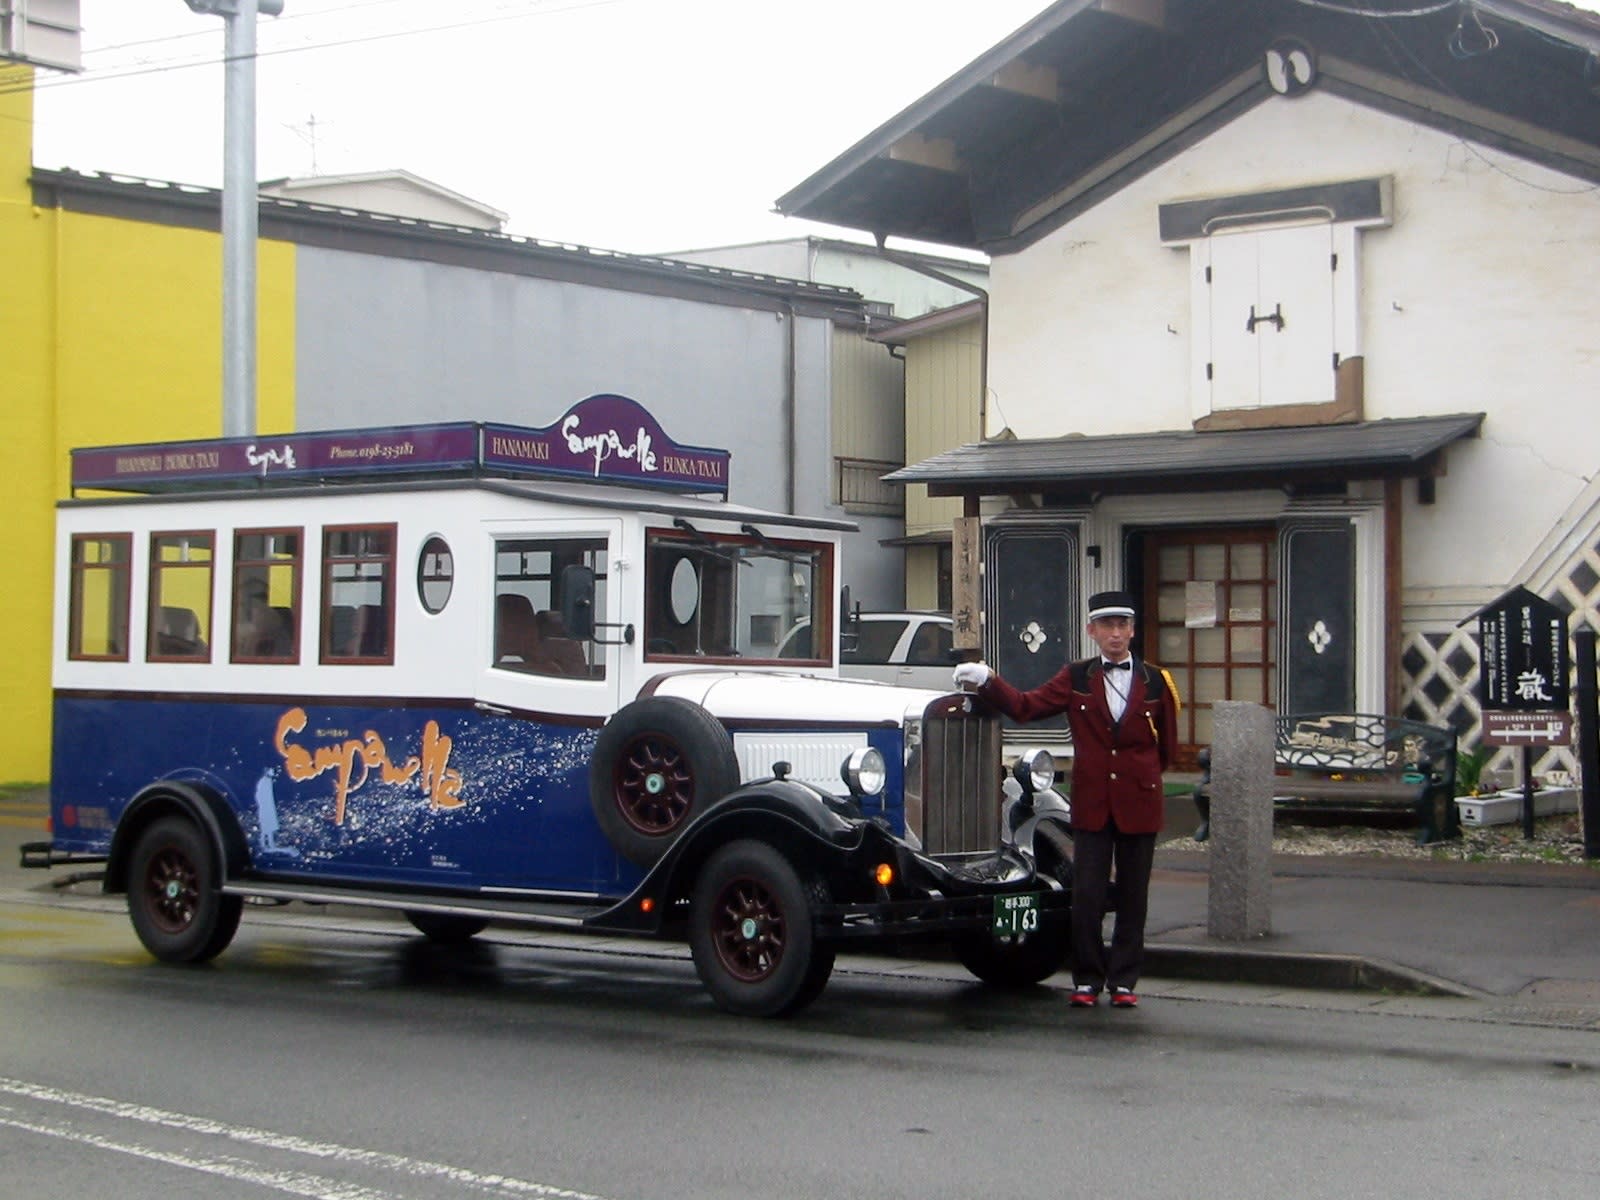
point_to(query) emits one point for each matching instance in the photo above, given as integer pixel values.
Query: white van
(482, 673)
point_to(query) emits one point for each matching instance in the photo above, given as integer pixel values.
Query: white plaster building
(1291, 318)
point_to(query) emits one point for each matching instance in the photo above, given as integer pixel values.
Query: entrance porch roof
(1187, 460)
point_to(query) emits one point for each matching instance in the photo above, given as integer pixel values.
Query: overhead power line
(364, 39)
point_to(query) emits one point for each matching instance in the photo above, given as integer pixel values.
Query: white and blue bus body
(448, 670)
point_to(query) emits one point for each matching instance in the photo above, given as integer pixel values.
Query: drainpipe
(791, 439)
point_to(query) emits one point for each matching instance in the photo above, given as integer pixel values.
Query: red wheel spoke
(654, 786)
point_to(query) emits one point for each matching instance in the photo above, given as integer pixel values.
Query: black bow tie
(1125, 665)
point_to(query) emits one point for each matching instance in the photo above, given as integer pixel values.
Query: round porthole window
(436, 574)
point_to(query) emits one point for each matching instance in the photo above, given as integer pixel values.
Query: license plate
(1015, 915)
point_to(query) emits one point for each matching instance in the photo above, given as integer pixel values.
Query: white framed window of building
(1275, 295)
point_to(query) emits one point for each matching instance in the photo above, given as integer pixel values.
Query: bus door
(552, 643)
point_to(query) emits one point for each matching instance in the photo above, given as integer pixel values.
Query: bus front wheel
(752, 932)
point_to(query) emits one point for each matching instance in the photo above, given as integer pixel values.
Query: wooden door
(1210, 605)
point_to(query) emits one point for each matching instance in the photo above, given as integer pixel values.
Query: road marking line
(293, 1183)
(502, 1184)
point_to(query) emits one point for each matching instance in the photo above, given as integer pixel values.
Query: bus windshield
(721, 596)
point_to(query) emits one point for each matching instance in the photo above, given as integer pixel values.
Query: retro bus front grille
(960, 777)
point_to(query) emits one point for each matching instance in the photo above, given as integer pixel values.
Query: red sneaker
(1124, 998)
(1084, 996)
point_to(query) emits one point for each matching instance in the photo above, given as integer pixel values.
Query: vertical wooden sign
(966, 604)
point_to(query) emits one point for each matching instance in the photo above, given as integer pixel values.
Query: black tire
(752, 931)
(174, 900)
(1029, 960)
(447, 929)
(658, 763)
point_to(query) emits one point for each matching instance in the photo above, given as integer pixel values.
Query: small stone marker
(1239, 903)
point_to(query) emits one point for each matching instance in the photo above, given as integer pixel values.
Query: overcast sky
(640, 125)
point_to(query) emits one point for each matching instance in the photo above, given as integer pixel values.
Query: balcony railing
(860, 487)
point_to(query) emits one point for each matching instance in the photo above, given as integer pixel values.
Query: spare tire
(657, 764)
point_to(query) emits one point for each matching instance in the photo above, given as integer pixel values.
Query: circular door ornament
(1291, 66)
(1033, 637)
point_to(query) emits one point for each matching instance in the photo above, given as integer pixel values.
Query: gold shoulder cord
(1177, 700)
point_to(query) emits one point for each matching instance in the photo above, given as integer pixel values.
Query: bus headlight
(864, 773)
(1035, 770)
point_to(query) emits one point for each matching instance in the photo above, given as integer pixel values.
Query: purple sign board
(608, 439)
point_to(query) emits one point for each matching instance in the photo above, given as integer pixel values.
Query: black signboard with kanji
(1523, 656)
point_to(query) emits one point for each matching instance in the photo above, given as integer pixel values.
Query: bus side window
(535, 579)
(266, 595)
(358, 584)
(180, 597)
(101, 577)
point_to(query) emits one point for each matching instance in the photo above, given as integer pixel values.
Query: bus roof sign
(604, 438)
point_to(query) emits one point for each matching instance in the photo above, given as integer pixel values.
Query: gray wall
(395, 341)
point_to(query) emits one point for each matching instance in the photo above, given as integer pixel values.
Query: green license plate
(1015, 915)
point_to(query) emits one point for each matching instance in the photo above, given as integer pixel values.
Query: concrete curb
(1323, 972)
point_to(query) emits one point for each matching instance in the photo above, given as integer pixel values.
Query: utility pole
(240, 208)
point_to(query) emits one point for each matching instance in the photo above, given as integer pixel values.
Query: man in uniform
(1124, 720)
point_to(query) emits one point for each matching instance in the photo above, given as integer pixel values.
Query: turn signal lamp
(647, 905)
(884, 874)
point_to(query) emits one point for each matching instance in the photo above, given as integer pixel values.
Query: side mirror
(577, 601)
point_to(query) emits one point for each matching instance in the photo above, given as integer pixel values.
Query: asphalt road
(331, 1056)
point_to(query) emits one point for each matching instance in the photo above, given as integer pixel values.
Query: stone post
(1240, 898)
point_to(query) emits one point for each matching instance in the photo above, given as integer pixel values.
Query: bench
(1358, 765)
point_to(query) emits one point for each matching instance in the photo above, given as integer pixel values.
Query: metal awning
(1186, 460)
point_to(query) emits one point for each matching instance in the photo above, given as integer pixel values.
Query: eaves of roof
(338, 227)
(1088, 97)
(902, 332)
(1186, 460)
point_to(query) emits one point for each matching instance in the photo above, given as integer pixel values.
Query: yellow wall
(944, 381)
(111, 332)
(27, 417)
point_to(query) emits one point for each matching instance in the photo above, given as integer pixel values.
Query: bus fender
(199, 803)
(790, 816)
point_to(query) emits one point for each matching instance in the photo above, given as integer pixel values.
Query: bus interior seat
(516, 632)
(178, 631)
(562, 655)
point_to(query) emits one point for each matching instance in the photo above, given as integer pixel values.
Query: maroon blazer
(1116, 766)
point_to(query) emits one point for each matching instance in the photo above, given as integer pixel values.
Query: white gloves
(970, 676)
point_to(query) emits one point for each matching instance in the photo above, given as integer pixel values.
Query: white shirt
(1117, 684)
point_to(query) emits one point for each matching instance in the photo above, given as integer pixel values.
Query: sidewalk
(1469, 929)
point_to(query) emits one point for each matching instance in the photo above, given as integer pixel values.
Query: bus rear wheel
(175, 899)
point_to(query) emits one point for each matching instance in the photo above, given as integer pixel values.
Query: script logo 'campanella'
(265, 458)
(353, 760)
(604, 445)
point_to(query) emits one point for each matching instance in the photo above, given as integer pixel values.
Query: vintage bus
(480, 673)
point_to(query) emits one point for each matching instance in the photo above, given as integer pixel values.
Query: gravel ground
(1556, 839)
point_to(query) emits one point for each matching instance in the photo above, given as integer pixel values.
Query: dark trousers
(1094, 853)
